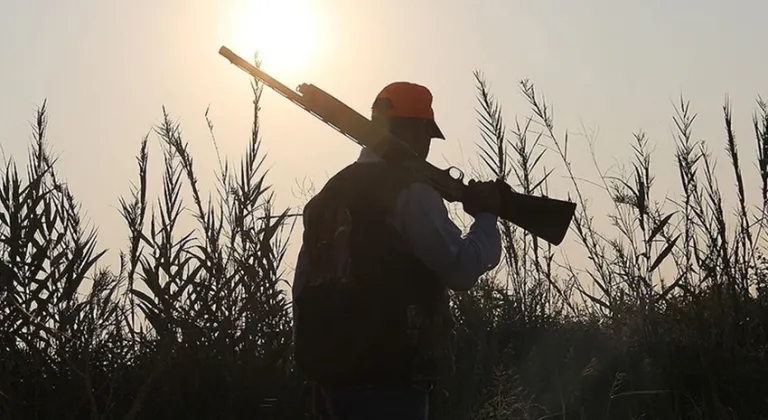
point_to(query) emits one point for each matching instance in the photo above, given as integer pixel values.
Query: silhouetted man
(373, 328)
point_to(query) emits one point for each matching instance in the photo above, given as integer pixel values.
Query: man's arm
(422, 218)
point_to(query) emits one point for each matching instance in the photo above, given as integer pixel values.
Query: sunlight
(284, 32)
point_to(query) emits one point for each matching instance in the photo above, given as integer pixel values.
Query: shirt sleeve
(422, 218)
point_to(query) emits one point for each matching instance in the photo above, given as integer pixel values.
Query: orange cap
(409, 100)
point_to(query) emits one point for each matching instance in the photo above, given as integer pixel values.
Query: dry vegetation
(194, 324)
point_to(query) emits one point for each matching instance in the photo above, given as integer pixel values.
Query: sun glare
(282, 32)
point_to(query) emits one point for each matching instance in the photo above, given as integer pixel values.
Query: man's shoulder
(372, 175)
(379, 180)
(365, 178)
(330, 183)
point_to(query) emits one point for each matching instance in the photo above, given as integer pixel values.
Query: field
(195, 325)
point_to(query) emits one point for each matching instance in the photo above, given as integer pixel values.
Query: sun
(282, 32)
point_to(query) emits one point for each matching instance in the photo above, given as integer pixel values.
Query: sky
(608, 68)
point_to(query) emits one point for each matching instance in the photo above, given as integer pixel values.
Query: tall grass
(664, 319)
(192, 324)
(685, 342)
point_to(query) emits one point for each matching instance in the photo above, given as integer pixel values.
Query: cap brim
(435, 131)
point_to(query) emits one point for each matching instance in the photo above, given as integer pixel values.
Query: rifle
(543, 217)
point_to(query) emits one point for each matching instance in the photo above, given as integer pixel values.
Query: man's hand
(482, 197)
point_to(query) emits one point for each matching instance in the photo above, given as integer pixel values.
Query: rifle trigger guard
(459, 177)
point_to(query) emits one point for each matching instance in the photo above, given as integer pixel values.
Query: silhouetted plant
(186, 324)
(679, 291)
(665, 319)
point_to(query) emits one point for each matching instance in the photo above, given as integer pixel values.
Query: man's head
(405, 110)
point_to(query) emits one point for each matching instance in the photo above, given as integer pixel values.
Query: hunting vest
(370, 311)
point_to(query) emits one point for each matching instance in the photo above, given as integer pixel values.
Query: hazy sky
(107, 68)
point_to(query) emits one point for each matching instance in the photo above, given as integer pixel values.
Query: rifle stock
(543, 217)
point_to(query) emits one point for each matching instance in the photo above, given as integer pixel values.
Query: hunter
(372, 324)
